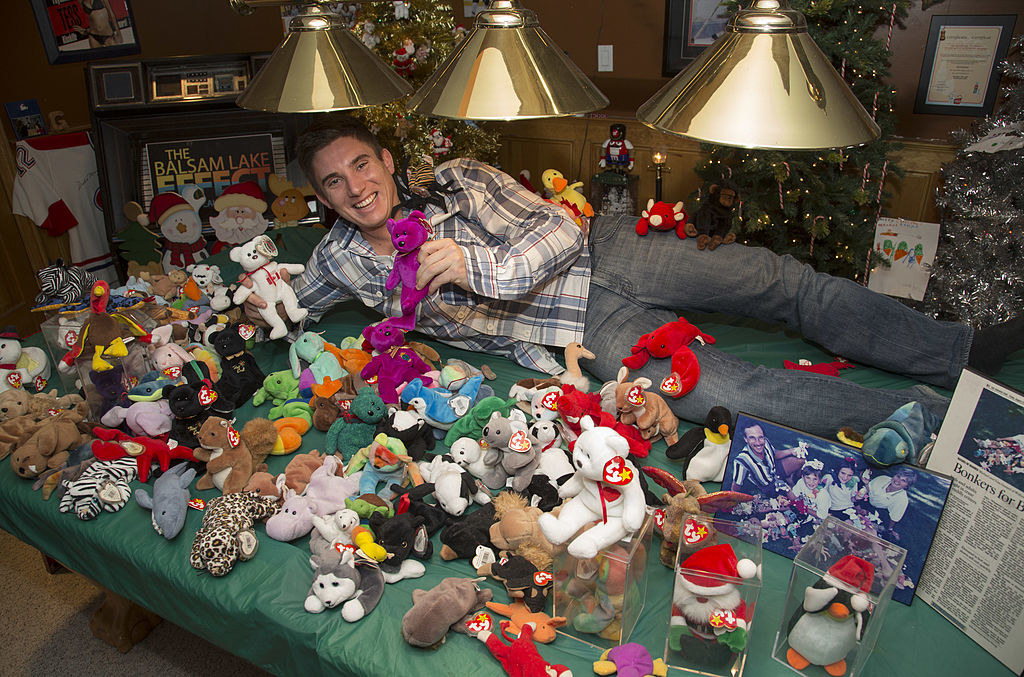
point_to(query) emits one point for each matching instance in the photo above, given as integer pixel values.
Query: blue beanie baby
(901, 437)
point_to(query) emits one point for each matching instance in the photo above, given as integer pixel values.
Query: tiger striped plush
(103, 486)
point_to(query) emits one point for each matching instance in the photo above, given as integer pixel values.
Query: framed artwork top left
(82, 30)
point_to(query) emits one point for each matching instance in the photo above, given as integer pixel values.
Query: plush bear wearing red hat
(179, 223)
(239, 215)
(831, 620)
(709, 617)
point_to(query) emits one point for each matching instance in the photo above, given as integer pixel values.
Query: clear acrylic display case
(842, 582)
(60, 331)
(714, 593)
(602, 598)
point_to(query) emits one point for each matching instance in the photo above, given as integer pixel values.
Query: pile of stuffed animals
(536, 489)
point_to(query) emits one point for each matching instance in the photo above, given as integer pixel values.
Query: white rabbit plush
(257, 259)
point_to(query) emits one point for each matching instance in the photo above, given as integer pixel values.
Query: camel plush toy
(257, 260)
(671, 340)
(605, 489)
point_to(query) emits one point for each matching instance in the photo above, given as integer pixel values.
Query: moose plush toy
(671, 340)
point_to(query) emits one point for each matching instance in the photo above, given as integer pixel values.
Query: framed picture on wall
(81, 30)
(690, 26)
(960, 73)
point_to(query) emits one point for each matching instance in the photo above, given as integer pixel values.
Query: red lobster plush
(671, 340)
(663, 216)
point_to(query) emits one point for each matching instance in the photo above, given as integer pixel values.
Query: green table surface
(256, 611)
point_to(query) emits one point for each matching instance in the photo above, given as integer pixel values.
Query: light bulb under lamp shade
(321, 66)
(762, 84)
(506, 68)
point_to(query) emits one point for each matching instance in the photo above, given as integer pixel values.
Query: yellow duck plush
(566, 194)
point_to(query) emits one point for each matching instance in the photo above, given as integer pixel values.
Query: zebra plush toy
(103, 486)
(61, 284)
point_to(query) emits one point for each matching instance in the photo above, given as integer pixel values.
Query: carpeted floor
(44, 629)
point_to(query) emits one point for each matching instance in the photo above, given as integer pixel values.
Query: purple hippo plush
(630, 660)
(407, 235)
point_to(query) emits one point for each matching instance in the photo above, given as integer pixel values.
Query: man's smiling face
(353, 181)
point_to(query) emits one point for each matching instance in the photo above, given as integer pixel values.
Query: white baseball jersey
(58, 188)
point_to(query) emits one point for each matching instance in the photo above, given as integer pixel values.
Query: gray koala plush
(519, 456)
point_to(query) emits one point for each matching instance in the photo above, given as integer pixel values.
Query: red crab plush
(663, 216)
(671, 340)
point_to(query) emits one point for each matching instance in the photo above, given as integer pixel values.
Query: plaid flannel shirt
(527, 265)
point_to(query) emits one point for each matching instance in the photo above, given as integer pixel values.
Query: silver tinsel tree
(978, 276)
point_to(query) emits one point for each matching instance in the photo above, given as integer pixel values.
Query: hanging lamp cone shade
(507, 68)
(321, 66)
(762, 84)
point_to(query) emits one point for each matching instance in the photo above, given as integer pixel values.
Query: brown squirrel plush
(232, 457)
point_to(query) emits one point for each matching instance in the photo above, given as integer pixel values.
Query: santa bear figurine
(403, 61)
(831, 620)
(709, 616)
(239, 215)
(180, 225)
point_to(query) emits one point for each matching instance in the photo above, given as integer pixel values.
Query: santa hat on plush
(162, 206)
(854, 575)
(706, 572)
(242, 194)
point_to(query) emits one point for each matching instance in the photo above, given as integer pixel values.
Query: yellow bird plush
(566, 194)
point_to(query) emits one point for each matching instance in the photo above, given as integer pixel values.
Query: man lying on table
(509, 274)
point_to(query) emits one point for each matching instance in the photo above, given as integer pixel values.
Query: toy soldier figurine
(618, 154)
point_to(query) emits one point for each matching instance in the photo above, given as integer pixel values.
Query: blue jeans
(641, 283)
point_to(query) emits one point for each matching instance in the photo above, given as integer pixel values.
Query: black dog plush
(403, 536)
(240, 376)
(191, 404)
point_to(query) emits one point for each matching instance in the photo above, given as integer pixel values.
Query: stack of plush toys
(524, 487)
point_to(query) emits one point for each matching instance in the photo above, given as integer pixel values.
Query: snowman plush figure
(21, 367)
(177, 216)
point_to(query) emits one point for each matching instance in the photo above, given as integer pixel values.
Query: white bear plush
(605, 489)
(257, 259)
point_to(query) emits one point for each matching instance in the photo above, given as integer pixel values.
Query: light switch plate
(604, 58)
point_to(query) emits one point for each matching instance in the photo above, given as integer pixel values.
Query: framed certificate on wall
(960, 73)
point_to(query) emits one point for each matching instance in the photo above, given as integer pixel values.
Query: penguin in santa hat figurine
(831, 621)
(710, 619)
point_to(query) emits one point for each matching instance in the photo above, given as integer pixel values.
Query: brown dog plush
(232, 457)
(48, 446)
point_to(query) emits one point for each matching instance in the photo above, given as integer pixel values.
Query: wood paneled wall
(573, 146)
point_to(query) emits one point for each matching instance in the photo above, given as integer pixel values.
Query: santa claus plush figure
(180, 226)
(403, 61)
(710, 619)
(239, 215)
(831, 620)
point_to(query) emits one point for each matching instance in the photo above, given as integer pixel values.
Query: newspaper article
(973, 572)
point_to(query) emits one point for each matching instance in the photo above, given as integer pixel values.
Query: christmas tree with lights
(977, 277)
(415, 37)
(821, 206)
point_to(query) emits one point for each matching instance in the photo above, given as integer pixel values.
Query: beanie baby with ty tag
(831, 621)
(604, 488)
(710, 618)
(672, 340)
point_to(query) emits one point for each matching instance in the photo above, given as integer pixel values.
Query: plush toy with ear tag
(21, 367)
(671, 339)
(605, 488)
(241, 375)
(408, 235)
(257, 260)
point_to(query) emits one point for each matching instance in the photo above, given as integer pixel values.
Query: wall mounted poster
(972, 576)
(798, 479)
(212, 164)
(79, 30)
(908, 247)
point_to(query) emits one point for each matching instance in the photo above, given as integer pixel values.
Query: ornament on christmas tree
(404, 61)
(441, 143)
(401, 9)
(370, 37)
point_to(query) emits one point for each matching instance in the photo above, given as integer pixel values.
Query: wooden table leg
(122, 623)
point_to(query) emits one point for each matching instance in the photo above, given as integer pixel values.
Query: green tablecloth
(257, 610)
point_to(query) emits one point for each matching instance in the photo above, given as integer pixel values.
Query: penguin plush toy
(831, 621)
